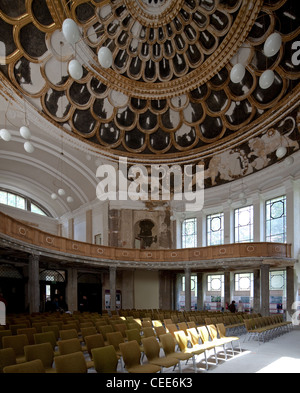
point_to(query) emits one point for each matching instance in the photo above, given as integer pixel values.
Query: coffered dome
(168, 96)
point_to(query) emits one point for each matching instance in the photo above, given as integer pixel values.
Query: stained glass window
(243, 224)
(215, 229)
(189, 233)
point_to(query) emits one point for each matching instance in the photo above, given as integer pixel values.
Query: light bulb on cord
(25, 132)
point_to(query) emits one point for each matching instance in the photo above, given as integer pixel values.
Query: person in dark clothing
(83, 304)
(62, 304)
(232, 307)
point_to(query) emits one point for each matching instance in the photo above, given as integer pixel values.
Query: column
(112, 287)
(256, 291)
(290, 294)
(200, 299)
(227, 290)
(34, 283)
(265, 291)
(89, 226)
(71, 228)
(188, 299)
(72, 290)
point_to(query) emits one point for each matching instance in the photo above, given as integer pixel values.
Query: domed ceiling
(168, 96)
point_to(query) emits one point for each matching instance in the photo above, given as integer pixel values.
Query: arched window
(21, 202)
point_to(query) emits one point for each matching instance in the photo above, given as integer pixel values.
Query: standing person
(231, 307)
(83, 304)
(240, 306)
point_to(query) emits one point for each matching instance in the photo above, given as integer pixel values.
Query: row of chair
(266, 328)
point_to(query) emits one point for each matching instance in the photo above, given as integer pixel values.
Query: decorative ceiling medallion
(154, 13)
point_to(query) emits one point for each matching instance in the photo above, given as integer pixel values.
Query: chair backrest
(88, 331)
(69, 346)
(191, 324)
(221, 330)
(212, 332)
(159, 330)
(14, 327)
(4, 333)
(131, 353)
(168, 343)
(29, 333)
(193, 336)
(71, 363)
(7, 358)
(45, 337)
(105, 359)
(171, 328)
(148, 332)
(43, 351)
(39, 325)
(151, 347)
(134, 334)
(51, 328)
(104, 330)
(67, 334)
(16, 342)
(32, 367)
(94, 341)
(181, 339)
(182, 326)
(115, 338)
(203, 333)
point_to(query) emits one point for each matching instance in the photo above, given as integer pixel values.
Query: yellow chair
(222, 334)
(32, 367)
(72, 345)
(115, 339)
(29, 333)
(104, 330)
(52, 328)
(131, 355)
(218, 342)
(3, 333)
(134, 335)
(46, 337)
(18, 343)
(105, 359)
(44, 352)
(67, 334)
(69, 346)
(152, 350)
(7, 358)
(14, 327)
(169, 348)
(195, 350)
(88, 331)
(94, 341)
(71, 363)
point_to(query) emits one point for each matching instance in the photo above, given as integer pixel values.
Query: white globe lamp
(237, 73)
(266, 79)
(53, 196)
(61, 192)
(105, 57)
(70, 199)
(281, 152)
(29, 148)
(25, 132)
(5, 135)
(272, 44)
(75, 69)
(70, 31)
